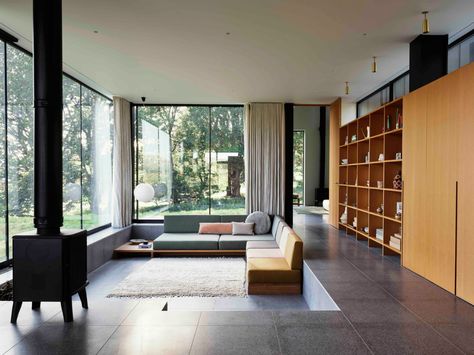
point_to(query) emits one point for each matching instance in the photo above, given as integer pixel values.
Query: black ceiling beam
(6, 37)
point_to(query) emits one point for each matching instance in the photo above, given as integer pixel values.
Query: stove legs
(15, 311)
(83, 296)
(66, 306)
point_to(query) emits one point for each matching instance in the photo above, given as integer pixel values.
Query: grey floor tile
(146, 313)
(150, 340)
(64, 339)
(358, 290)
(460, 334)
(320, 339)
(328, 276)
(452, 311)
(372, 311)
(236, 318)
(417, 290)
(235, 339)
(10, 335)
(28, 316)
(298, 318)
(405, 339)
(100, 312)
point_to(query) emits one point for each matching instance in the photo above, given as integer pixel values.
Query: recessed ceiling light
(95, 31)
(364, 34)
(227, 33)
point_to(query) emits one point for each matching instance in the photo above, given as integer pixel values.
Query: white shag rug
(185, 277)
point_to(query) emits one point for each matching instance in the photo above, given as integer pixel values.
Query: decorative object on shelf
(354, 222)
(345, 201)
(379, 233)
(381, 157)
(380, 184)
(399, 208)
(368, 183)
(425, 25)
(365, 230)
(137, 241)
(397, 181)
(398, 119)
(354, 138)
(380, 209)
(355, 182)
(398, 156)
(368, 131)
(344, 161)
(346, 141)
(398, 216)
(344, 216)
(388, 123)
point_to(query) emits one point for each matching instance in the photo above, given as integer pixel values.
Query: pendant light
(425, 26)
(374, 65)
(347, 88)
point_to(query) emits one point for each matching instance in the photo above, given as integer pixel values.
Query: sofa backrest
(275, 224)
(190, 223)
(282, 233)
(293, 251)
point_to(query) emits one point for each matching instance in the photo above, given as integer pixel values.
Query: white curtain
(122, 165)
(265, 157)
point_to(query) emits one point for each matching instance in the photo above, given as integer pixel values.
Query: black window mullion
(81, 155)
(209, 158)
(5, 143)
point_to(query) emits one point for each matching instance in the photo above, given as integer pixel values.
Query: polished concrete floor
(384, 309)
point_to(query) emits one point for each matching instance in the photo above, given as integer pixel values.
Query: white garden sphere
(144, 192)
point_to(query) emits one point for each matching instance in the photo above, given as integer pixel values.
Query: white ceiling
(177, 51)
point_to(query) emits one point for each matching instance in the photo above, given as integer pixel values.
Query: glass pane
(467, 51)
(20, 141)
(453, 58)
(3, 244)
(227, 160)
(400, 87)
(71, 153)
(97, 142)
(173, 156)
(298, 166)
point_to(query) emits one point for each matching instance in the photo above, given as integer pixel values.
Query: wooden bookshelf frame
(359, 179)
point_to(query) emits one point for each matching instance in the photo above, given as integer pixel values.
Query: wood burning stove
(49, 265)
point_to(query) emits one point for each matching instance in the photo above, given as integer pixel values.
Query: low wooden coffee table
(133, 249)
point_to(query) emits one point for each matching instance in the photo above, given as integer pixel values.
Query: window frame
(134, 127)
(6, 42)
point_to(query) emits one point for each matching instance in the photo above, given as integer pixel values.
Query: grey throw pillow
(242, 228)
(262, 222)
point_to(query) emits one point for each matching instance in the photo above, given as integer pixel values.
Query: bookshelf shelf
(368, 190)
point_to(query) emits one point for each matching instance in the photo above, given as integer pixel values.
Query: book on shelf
(394, 239)
(379, 234)
(397, 235)
(146, 245)
(395, 245)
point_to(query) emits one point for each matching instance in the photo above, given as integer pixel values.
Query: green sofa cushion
(239, 242)
(186, 241)
(233, 218)
(187, 224)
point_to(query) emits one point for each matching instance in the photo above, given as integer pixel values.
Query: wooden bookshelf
(366, 181)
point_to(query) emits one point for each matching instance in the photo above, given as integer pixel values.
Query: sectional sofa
(274, 260)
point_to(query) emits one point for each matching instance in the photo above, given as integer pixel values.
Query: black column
(289, 163)
(48, 91)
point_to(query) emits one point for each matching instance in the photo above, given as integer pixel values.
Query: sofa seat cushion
(186, 241)
(271, 270)
(264, 253)
(262, 244)
(239, 242)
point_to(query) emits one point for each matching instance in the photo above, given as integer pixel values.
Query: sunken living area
(275, 177)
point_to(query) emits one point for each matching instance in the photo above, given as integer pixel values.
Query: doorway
(298, 167)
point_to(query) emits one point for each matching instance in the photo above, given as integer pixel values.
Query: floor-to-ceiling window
(193, 156)
(87, 151)
(298, 166)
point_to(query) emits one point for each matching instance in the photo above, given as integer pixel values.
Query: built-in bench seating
(275, 267)
(274, 260)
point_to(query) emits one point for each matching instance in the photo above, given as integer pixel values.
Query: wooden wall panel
(465, 220)
(415, 238)
(334, 124)
(443, 104)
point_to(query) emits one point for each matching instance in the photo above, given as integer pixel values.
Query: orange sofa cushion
(215, 228)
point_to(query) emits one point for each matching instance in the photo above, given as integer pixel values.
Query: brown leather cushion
(271, 270)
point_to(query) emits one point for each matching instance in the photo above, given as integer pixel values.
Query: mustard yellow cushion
(293, 251)
(271, 270)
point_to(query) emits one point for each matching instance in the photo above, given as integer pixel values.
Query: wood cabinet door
(442, 120)
(465, 220)
(334, 127)
(414, 182)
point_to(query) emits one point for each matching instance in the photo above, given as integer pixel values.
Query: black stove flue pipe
(48, 102)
